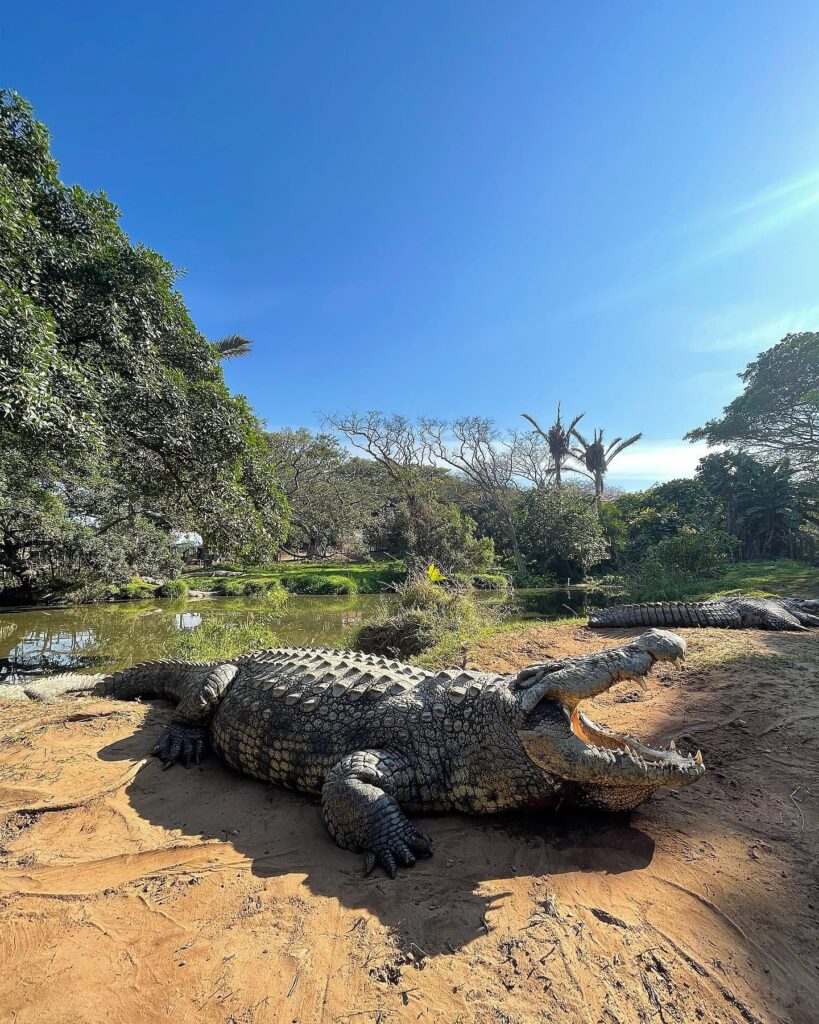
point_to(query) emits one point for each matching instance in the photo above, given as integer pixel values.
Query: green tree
(766, 507)
(104, 373)
(330, 499)
(777, 414)
(560, 531)
(448, 539)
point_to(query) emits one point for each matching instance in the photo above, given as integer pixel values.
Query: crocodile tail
(656, 613)
(169, 679)
(669, 613)
(166, 678)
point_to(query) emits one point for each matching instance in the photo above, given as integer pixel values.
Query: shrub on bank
(334, 583)
(672, 565)
(270, 590)
(213, 640)
(135, 590)
(173, 588)
(427, 616)
(226, 586)
(533, 581)
(490, 581)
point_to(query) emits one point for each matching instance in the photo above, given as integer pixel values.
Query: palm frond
(624, 444)
(231, 346)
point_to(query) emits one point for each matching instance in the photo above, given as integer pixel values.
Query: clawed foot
(400, 846)
(180, 742)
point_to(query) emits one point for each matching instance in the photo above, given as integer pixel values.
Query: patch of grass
(299, 577)
(754, 579)
(173, 588)
(135, 590)
(213, 640)
(334, 583)
(427, 617)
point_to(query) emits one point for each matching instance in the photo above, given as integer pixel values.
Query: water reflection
(110, 636)
(188, 620)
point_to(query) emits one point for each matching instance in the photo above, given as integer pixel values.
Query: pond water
(104, 637)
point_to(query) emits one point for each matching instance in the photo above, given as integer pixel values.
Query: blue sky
(458, 207)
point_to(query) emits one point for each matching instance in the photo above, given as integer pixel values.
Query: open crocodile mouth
(562, 740)
(568, 743)
(657, 764)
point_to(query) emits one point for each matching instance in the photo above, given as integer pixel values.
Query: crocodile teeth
(698, 757)
(672, 745)
(643, 683)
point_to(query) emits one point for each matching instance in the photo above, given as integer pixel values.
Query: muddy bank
(136, 895)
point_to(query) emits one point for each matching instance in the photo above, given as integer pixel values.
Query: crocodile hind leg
(803, 617)
(185, 739)
(361, 810)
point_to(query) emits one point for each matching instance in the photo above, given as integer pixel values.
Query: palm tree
(768, 508)
(597, 457)
(231, 346)
(559, 440)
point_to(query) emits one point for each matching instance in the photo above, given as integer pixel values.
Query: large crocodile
(378, 739)
(779, 613)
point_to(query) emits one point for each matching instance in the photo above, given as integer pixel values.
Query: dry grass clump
(421, 616)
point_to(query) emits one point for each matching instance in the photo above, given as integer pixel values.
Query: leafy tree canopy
(777, 414)
(560, 531)
(103, 370)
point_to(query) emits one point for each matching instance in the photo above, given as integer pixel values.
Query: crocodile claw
(399, 849)
(180, 742)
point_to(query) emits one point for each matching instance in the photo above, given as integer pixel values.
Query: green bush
(227, 586)
(173, 588)
(559, 532)
(135, 590)
(673, 564)
(271, 590)
(276, 595)
(490, 581)
(428, 616)
(335, 583)
(532, 580)
(213, 640)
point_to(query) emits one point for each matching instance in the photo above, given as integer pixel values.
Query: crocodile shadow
(282, 833)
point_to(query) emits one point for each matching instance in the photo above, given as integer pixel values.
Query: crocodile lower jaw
(633, 760)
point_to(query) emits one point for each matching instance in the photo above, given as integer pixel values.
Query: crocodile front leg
(361, 810)
(186, 737)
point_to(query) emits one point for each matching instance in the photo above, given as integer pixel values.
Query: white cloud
(655, 461)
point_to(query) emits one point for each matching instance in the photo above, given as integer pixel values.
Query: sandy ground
(129, 894)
